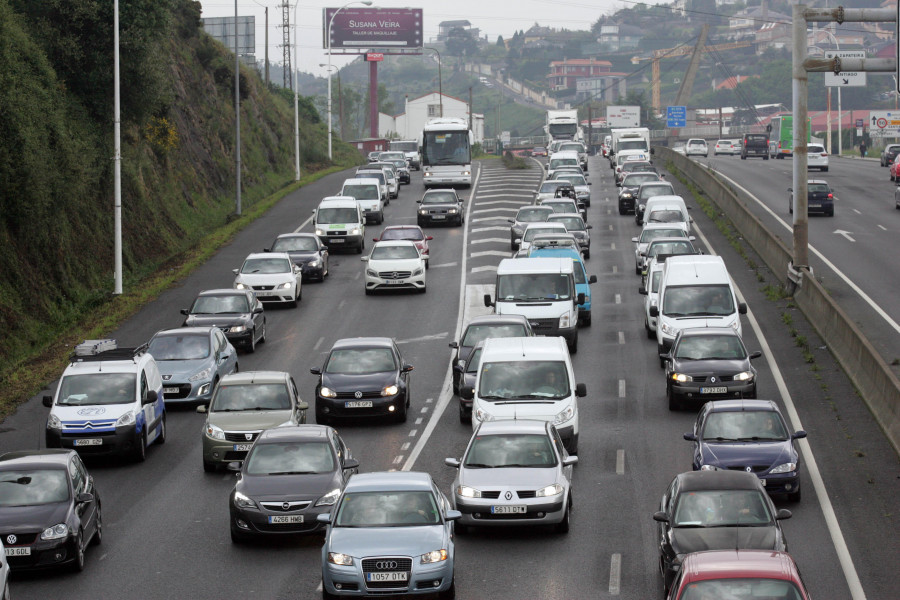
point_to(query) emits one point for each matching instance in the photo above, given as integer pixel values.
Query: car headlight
(286, 285)
(418, 272)
(565, 321)
(564, 416)
(551, 490)
(126, 419)
(745, 376)
(452, 211)
(629, 196)
(320, 231)
(467, 172)
(423, 211)
(327, 392)
(434, 556)
(329, 498)
(668, 329)
(681, 377)
(354, 231)
(390, 390)
(241, 286)
(785, 468)
(483, 415)
(237, 329)
(314, 263)
(214, 432)
(53, 422)
(371, 272)
(204, 374)
(426, 174)
(56, 532)
(340, 559)
(467, 492)
(242, 501)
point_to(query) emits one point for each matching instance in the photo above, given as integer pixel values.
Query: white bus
(446, 148)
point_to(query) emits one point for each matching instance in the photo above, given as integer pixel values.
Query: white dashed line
(413, 433)
(481, 211)
(618, 298)
(857, 212)
(486, 240)
(503, 254)
(419, 421)
(443, 265)
(484, 268)
(500, 202)
(883, 227)
(621, 337)
(620, 462)
(615, 269)
(612, 246)
(342, 303)
(610, 227)
(398, 459)
(358, 273)
(483, 229)
(429, 400)
(495, 219)
(621, 388)
(318, 343)
(404, 446)
(615, 574)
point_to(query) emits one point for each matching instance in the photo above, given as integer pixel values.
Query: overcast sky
(492, 17)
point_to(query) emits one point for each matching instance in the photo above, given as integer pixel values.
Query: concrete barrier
(872, 376)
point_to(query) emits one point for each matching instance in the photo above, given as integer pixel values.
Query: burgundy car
(407, 232)
(738, 574)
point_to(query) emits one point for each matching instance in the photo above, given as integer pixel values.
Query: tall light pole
(237, 116)
(440, 80)
(296, 99)
(117, 160)
(328, 39)
(840, 114)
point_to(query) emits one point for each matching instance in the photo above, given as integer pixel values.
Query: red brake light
(824, 154)
(831, 195)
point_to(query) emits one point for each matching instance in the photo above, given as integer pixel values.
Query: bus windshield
(446, 148)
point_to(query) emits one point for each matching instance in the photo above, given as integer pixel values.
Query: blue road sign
(676, 116)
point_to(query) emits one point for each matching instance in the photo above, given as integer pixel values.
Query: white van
(367, 191)
(109, 401)
(561, 159)
(673, 203)
(339, 222)
(543, 291)
(527, 378)
(696, 291)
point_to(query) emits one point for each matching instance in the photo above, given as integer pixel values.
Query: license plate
(358, 404)
(336, 241)
(171, 390)
(395, 281)
(26, 551)
(508, 510)
(286, 519)
(437, 217)
(242, 447)
(89, 442)
(388, 576)
(714, 390)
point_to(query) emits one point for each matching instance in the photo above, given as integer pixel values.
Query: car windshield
(398, 152)
(710, 347)
(399, 163)
(533, 231)
(388, 509)
(562, 207)
(402, 233)
(360, 192)
(638, 165)
(290, 458)
(650, 234)
(510, 451)
(530, 380)
(648, 191)
(696, 143)
(721, 508)
(439, 198)
(534, 287)
(379, 175)
(669, 248)
(555, 163)
(361, 361)
(571, 147)
(479, 333)
(724, 143)
(221, 305)
(266, 266)
(744, 426)
(818, 149)
(97, 388)
(637, 179)
(533, 215)
(29, 487)
(698, 301)
(817, 187)
(393, 252)
(754, 588)
(295, 244)
(473, 361)
(571, 223)
(548, 187)
(665, 216)
(335, 216)
(573, 178)
(250, 396)
(179, 347)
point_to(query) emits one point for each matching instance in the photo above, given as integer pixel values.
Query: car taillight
(824, 154)
(831, 195)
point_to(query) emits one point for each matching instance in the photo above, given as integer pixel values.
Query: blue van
(582, 281)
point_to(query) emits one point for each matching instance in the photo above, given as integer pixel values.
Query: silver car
(513, 473)
(191, 361)
(581, 185)
(575, 225)
(650, 232)
(526, 215)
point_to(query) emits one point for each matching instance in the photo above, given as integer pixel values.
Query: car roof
(283, 255)
(394, 243)
(667, 239)
(224, 292)
(181, 331)
(816, 181)
(251, 377)
(659, 226)
(743, 405)
(433, 190)
(297, 235)
(560, 216)
(530, 348)
(531, 207)
(401, 227)
(363, 342)
(704, 331)
(545, 225)
(564, 154)
(718, 480)
(362, 181)
(554, 265)
(389, 481)
(739, 564)
(42, 458)
(294, 433)
(511, 426)
(497, 320)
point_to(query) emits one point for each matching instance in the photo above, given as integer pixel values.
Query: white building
(408, 125)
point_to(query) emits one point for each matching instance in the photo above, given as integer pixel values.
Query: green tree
(460, 43)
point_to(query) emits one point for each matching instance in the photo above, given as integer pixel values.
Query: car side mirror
(418, 202)
(580, 390)
(48, 401)
(201, 409)
(690, 437)
(303, 405)
(374, 239)
(452, 515)
(150, 399)
(351, 463)
(364, 258)
(691, 238)
(652, 151)
(84, 498)
(592, 279)
(618, 183)
(452, 462)
(665, 355)
(467, 392)
(267, 249)
(657, 516)
(406, 369)
(453, 344)
(235, 271)
(654, 311)
(588, 226)
(513, 221)
(590, 183)
(258, 310)
(790, 190)
(755, 354)
(635, 240)
(642, 291)
(324, 518)
(316, 371)
(487, 301)
(798, 435)
(186, 311)
(742, 308)
(569, 461)
(783, 514)
(429, 238)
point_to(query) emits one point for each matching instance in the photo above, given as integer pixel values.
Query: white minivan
(527, 378)
(696, 291)
(367, 191)
(667, 203)
(339, 222)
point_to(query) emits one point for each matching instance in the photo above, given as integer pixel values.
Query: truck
(563, 125)
(410, 149)
(631, 138)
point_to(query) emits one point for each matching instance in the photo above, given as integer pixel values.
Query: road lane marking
(483, 219)
(318, 343)
(620, 462)
(441, 266)
(621, 337)
(857, 212)
(615, 574)
(413, 433)
(418, 420)
(618, 298)
(481, 211)
(500, 202)
(621, 388)
(425, 338)
(486, 240)
(398, 459)
(612, 246)
(501, 253)
(883, 227)
(615, 269)
(342, 303)
(404, 446)
(484, 268)
(494, 228)
(610, 227)
(424, 409)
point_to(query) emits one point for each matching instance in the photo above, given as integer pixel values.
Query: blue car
(390, 533)
(582, 281)
(751, 436)
(191, 361)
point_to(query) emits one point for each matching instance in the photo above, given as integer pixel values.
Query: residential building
(607, 89)
(408, 125)
(615, 37)
(564, 73)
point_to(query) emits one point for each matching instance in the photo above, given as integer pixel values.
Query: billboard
(362, 28)
(623, 116)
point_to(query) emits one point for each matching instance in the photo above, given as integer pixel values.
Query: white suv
(696, 147)
(816, 157)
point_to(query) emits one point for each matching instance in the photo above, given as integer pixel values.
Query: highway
(166, 522)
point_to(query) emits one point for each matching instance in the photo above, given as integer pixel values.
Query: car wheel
(830, 213)
(563, 526)
(209, 467)
(650, 333)
(622, 210)
(369, 292)
(140, 453)
(324, 270)
(238, 537)
(460, 529)
(161, 436)
(326, 595)
(401, 415)
(673, 403)
(293, 303)
(573, 345)
(252, 347)
(572, 447)
(790, 207)
(423, 289)
(796, 496)
(586, 319)
(321, 419)
(765, 157)
(427, 262)
(78, 563)
(587, 254)
(98, 534)
(262, 337)
(420, 222)
(449, 593)
(465, 417)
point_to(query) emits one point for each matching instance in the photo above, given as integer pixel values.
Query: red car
(738, 574)
(408, 232)
(539, 151)
(894, 168)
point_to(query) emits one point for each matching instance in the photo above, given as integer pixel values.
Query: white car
(272, 276)
(394, 264)
(696, 147)
(650, 289)
(724, 147)
(816, 157)
(533, 229)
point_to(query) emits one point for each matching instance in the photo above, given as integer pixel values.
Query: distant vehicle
(440, 206)
(272, 276)
(410, 149)
(755, 144)
(373, 156)
(783, 135)
(897, 198)
(539, 151)
(679, 147)
(526, 215)
(820, 198)
(481, 328)
(816, 157)
(629, 188)
(650, 232)
(446, 153)
(889, 154)
(696, 147)
(306, 250)
(724, 147)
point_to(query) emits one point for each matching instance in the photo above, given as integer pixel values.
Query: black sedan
(481, 328)
(715, 510)
(467, 371)
(629, 189)
(307, 252)
(49, 509)
(748, 435)
(819, 198)
(706, 363)
(440, 206)
(238, 313)
(362, 377)
(290, 476)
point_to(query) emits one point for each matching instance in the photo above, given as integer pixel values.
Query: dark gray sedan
(191, 361)
(307, 252)
(238, 313)
(440, 206)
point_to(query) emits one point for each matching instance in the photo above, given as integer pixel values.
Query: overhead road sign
(845, 78)
(676, 116)
(884, 123)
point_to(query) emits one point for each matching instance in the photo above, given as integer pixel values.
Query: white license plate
(242, 447)
(26, 551)
(395, 281)
(509, 510)
(89, 442)
(436, 217)
(358, 404)
(171, 390)
(389, 576)
(336, 240)
(286, 519)
(714, 390)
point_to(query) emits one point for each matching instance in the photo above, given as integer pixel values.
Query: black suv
(755, 144)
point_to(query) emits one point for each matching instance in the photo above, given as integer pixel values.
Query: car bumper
(782, 483)
(122, 440)
(626, 204)
(222, 452)
(257, 521)
(438, 217)
(382, 406)
(308, 271)
(539, 511)
(820, 207)
(700, 392)
(43, 553)
(340, 241)
(421, 579)
(241, 339)
(414, 282)
(188, 392)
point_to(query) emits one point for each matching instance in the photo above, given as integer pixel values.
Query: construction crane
(687, 84)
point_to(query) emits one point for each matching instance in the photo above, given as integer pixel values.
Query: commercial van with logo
(339, 222)
(109, 401)
(527, 378)
(696, 291)
(543, 291)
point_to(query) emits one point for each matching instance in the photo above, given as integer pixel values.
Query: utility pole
(267, 46)
(340, 107)
(470, 108)
(237, 116)
(286, 44)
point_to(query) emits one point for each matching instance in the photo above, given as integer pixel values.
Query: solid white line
(827, 262)
(507, 195)
(305, 223)
(486, 240)
(497, 218)
(318, 343)
(620, 462)
(883, 227)
(621, 388)
(621, 337)
(484, 268)
(615, 574)
(831, 521)
(618, 298)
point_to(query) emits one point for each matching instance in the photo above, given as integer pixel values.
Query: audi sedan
(238, 313)
(390, 533)
(513, 473)
(290, 477)
(191, 361)
(307, 251)
(749, 435)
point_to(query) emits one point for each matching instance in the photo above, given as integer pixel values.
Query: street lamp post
(440, 80)
(328, 39)
(333, 69)
(840, 114)
(296, 100)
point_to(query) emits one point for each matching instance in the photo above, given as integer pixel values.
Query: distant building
(614, 37)
(607, 89)
(564, 73)
(772, 35)
(732, 82)
(445, 27)
(754, 18)
(408, 125)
